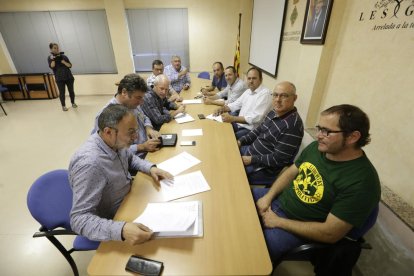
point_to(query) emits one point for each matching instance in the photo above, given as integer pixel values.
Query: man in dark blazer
(315, 25)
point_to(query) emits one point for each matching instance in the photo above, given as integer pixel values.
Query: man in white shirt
(234, 89)
(253, 105)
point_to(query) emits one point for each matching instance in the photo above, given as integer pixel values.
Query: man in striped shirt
(178, 75)
(158, 69)
(273, 145)
(156, 106)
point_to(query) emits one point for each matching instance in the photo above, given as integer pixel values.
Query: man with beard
(99, 178)
(331, 189)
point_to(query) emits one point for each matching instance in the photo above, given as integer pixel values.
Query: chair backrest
(50, 200)
(357, 233)
(204, 75)
(306, 141)
(3, 89)
(304, 252)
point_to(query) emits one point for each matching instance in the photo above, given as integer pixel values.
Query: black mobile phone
(201, 116)
(144, 266)
(160, 144)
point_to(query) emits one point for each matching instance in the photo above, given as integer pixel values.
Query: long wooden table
(233, 242)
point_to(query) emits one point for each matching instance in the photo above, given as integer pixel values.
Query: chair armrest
(258, 169)
(308, 247)
(364, 244)
(51, 233)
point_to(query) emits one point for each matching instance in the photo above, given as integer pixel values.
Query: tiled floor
(36, 137)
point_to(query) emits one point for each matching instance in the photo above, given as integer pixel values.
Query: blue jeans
(239, 131)
(278, 241)
(264, 176)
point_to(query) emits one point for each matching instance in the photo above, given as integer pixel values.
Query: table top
(233, 242)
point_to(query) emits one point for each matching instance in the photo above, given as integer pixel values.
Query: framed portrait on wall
(315, 24)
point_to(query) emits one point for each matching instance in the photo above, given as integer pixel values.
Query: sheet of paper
(178, 163)
(169, 217)
(184, 119)
(184, 185)
(179, 115)
(195, 101)
(192, 132)
(215, 118)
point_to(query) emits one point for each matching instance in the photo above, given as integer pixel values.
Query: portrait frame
(316, 21)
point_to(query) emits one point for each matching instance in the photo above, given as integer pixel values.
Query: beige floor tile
(24, 255)
(36, 137)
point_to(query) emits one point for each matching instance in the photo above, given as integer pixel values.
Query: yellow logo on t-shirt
(308, 185)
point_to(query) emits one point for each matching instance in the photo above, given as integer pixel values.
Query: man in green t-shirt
(331, 189)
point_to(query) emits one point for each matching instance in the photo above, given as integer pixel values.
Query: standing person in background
(61, 65)
(177, 74)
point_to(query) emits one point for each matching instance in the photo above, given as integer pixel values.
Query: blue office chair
(204, 75)
(3, 109)
(49, 201)
(5, 90)
(334, 259)
(266, 181)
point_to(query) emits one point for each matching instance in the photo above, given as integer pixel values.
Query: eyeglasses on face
(325, 131)
(281, 95)
(131, 132)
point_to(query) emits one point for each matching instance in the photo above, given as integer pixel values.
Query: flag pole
(237, 53)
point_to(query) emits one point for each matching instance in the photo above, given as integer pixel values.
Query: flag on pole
(236, 63)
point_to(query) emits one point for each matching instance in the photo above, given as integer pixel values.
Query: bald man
(267, 149)
(156, 105)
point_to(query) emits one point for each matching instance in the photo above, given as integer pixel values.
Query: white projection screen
(266, 35)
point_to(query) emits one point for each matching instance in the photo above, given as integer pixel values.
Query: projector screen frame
(281, 5)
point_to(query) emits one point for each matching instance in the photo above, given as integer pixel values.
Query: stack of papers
(184, 185)
(215, 118)
(173, 219)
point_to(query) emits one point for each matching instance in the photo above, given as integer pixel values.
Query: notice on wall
(389, 15)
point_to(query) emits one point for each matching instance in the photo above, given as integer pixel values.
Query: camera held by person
(57, 57)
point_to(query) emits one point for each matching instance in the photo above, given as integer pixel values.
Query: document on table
(184, 185)
(184, 118)
(192, 132)
(215, 118)
(173, 219)
(178, 163)
(196, 101)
